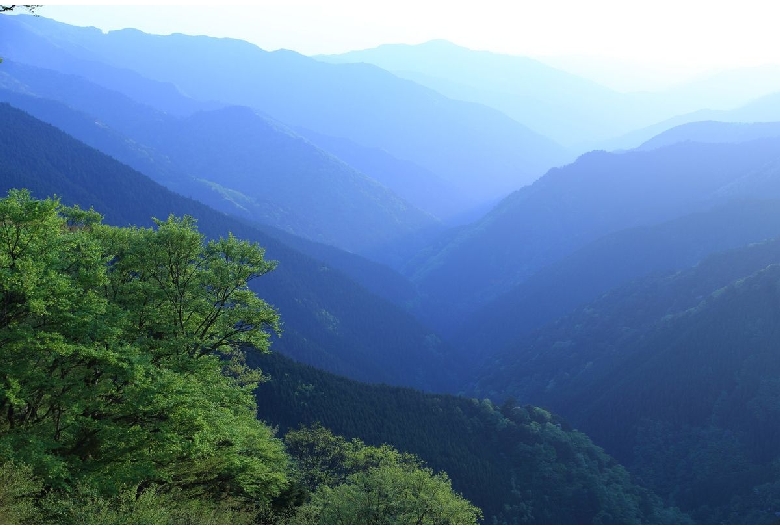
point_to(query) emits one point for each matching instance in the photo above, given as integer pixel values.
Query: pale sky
(673, 35)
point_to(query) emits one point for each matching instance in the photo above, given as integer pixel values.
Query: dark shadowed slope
(329, 320)
(676, 375)
(519, 464)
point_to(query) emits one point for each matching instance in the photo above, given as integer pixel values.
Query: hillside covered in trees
(389, 286)
(126, 398)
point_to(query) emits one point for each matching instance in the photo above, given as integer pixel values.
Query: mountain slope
(557, 104)
(24, 46)
(329, 321)
(244, 163)
(713, 132)
(611, 261)
(763, 109)
(415, 184)
(571, 206)
(570, 109)
(676, 375)
(474, 147)
(519, 464)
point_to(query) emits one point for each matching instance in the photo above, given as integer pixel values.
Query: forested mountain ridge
(30, 48)
(610, 261)
(576, 204)
(331, 322)
(670, 373)
(245, 164)
(635, 296)
(376, 278)
(56, 163)
(520, 464)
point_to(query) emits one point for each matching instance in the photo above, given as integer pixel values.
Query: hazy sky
(676, 37)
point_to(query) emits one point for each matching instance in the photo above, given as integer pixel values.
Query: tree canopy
(121, 360)
(353, 483)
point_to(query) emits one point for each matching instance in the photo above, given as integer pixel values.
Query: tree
(353, 483)
(120, 357)
(7, 9)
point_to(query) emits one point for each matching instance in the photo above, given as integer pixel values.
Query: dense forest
(126, 397)
(391, 286)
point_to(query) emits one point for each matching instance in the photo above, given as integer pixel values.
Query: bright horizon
(611, 41)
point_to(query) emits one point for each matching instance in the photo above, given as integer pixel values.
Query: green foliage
(18, 490)
(125, 397)
(154, 505)
(184, 296)
(517, 464)
(120, 364)
(390, 495)
(352, 483)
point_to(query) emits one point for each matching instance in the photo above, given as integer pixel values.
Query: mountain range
(437, 227)
(474, 147)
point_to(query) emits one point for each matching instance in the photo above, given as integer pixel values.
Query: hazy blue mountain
(609, 262)
(571, 206)
(559, 105)
(250, 165)
(570, 109)
(289, 183)
(677, 375)
(375, 277)
(24, 46)
(472, 146)
(713, 132)
(378, 279)
(329, 321)
(763, 109)
(726, 89)
(96, 134)
(415, 184)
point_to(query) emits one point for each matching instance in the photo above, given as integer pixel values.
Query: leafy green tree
(357, 484)
(120, 360)
(184, 297)
(390, 494)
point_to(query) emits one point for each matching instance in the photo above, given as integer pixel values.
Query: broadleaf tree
(120, 364)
